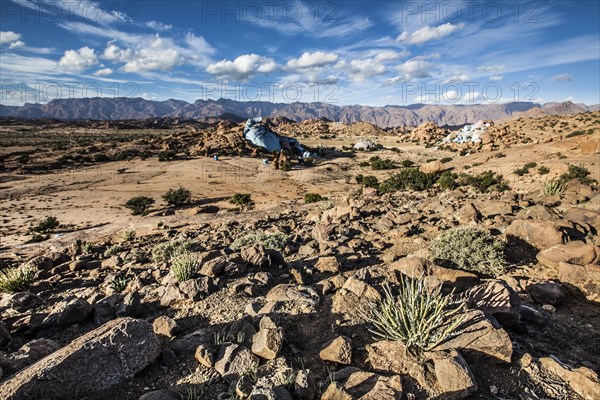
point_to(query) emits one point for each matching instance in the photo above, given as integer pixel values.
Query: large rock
(100, 359)
(453, 377)
(432, 167)
(539, 234)
(338, 350)
(234, 360)
(32, 352)
(496, 298)
(582, 380)
(262, 257)
(546, 292)
(575, 252)
(72, 310)
(354, 384)
(481, 336)
(585, 278)
(267, 342)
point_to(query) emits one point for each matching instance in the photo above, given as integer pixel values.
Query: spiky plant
(553, 187)
(184, 266)
(119, 284)
(14, 280)
(419, 317)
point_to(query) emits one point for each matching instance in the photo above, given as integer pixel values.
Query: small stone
(338, 350)
(165, 326)
(204, 357)
(267, 342)
(327, 265)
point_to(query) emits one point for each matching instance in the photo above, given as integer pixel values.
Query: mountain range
(123, 108)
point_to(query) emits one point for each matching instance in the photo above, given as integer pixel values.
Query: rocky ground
(276, 304)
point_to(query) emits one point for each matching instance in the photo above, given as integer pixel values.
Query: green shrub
(185, 266)
(407, 163)
(48, 224)
(575, 133)
(408, 179)
(485, 182)
(163, 252)
(166, 155)
(553, 187)
(500, 155)
(276, 241)
(543, 170)
(113, 250)
(128, 235)
(577, 172)
(14, 280)
(36, 238)
(177, 197)
(530, 165)
(242, 199)
(447, 181)
(313, 198)
(118, 284)
(470, 249)
(418, 316)
(521, 171)
(139, 204)
(101, 157)
(379, 164)
(446, 160)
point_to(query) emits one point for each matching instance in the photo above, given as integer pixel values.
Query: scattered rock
(539, 234)
(338, 350)
(547, 292)
(234, 360)
(354, 384)
(327, 264)
(165, 326)
(72, 310)
(267, 342)
(98, 360)
(204, 356)
(575, 252)
(496, 298)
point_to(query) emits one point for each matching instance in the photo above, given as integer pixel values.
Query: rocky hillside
(384, 117)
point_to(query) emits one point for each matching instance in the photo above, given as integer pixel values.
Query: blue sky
(341, 52)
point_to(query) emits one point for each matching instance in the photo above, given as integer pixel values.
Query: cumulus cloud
(243, 67)
(428, 33)
(491, 68)
(9, 37)
(103, 72)
(411, 69)
(77, 61)
(158, 55)
(496, 77)
(310, 60)
(158, 26)
(562, 78)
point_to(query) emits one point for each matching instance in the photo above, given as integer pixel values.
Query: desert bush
(242, 199)
(577, 172)
(48, 224)
(530, 165)
(543, 170)
(379, 164)
(553, 187)
(101, 157)
(184, 266)
(470, 249)
(419, 317)
(163, 252)
(86, 248)
(521, 171)
(119, 284)
(447, 181)
(500, 155)
(313, 198)
(446, 160)
(274, 241)
(139, 204)
(408, 179)
(166, 155)
(113, 250)
(177, 197)
(575, 133)
(14, 280)
(485, 182)
(407, 163)
(128, 235)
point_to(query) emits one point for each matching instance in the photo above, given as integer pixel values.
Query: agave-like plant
(420, 317)
(553, 187)
(184, 266)
(14, 280)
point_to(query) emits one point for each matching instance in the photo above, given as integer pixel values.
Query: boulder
(582, 380)
(453, 377)
(234, 360)
(338, 350)
(496, 298)
(432, 167)
(267, 342)
(162, 394)
(354, 384)
(575, 252)
(539, 234)
(20, 301)
(100, 359)
(72, 310)
(585, 278)
(546, 292)
(32, 352)
(327, 264)
(165, 326)
(261, 257)
(481, 335)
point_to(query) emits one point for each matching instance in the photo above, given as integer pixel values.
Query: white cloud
(310, 60)
(491, 68)
(496, 77)
(78, 61)
(243, 67)
(458, 78)
(158, 55)
(359, 70)
(412, 69)
(428, 33)
(103, 72)
(562, 78)
(16, 44)
(158, 26)
(8, 37)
